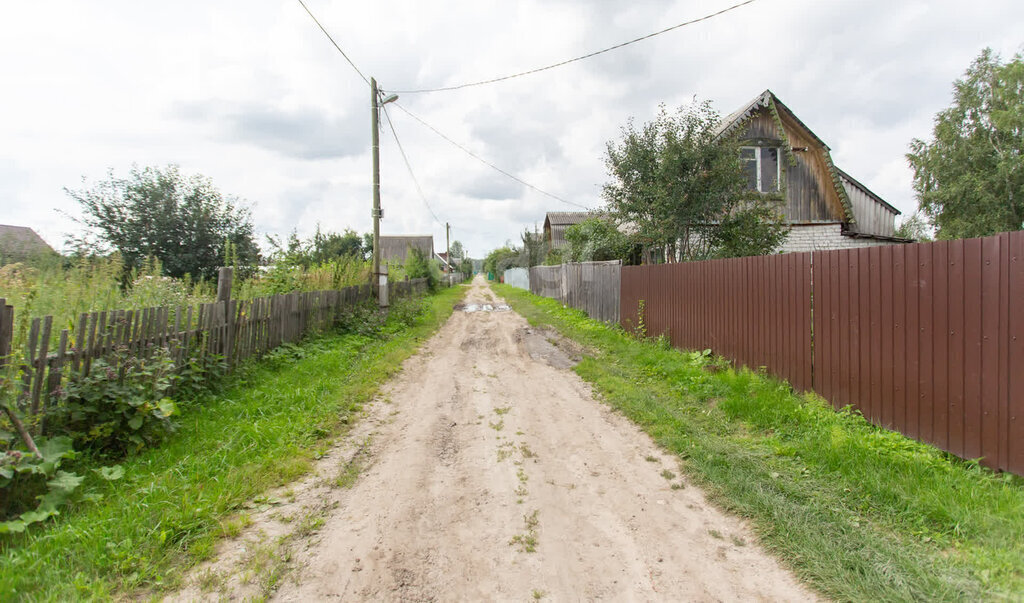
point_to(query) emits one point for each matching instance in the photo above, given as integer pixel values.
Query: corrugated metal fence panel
(1015, 363)
(755, 311)
(518, 277)
(928, 339)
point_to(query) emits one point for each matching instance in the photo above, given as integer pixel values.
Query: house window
(761, 166)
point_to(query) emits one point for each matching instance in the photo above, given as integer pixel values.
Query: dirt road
(491, 473)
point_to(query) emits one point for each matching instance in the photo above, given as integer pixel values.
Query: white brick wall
(822, 237)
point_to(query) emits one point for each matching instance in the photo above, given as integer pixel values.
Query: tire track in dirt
(495, 475)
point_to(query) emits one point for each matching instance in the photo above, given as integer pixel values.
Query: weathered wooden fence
(926, 339)
(593, 287)
(228, 330)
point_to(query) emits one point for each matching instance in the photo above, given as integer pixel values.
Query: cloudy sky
(251, 94)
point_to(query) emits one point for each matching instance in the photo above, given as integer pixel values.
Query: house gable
(556, 223)
(809, 180)
(21, 243)
(395, 248)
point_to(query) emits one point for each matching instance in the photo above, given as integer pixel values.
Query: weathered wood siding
(810, 193)
(872, 216)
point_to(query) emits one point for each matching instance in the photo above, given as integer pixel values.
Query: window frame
(757, 165)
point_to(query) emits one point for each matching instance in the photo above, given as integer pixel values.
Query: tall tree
(597, 239)
(683, 192)
(457, 250)
(969, 178)
(534, 249)
(501, 258)
(185, 222)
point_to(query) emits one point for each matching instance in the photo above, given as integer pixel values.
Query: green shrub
(26, 477)
(418, 265)
(121, 406)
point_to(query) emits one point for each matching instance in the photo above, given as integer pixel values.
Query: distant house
(21, 243)
(556, 223)
(442, 256)
(394, 249)
(825, 207)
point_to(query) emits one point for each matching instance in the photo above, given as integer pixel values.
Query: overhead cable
(487, 163)
(408, 166)
(573, 60)
(326, 33)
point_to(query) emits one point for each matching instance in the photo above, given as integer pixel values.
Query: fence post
(224, 277)
(383, 285)
(6, 330)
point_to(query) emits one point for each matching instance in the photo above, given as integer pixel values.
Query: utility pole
(375, 104)
(375, 147)
(447, 246)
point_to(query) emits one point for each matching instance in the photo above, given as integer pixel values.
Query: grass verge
(170, 508)
(858, 512)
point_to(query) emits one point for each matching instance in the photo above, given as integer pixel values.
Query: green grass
(167, 513)
(859, 513)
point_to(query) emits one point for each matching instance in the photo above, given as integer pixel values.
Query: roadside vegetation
(170, 503)
(858, 512)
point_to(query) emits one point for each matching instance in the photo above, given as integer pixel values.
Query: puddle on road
(483, 308)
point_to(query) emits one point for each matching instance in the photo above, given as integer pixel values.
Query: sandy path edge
(493, 474)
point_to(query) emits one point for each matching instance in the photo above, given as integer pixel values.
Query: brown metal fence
(925, 339)
(755, 311)
(928, 339)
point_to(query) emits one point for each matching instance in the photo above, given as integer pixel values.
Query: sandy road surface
(493, 474)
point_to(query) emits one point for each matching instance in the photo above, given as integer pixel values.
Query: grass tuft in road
(263, 430)
(860, 513)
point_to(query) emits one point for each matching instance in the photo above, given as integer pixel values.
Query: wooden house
(395, 248)
(21, 243)
(825, 207)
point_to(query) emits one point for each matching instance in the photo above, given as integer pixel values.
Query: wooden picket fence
(227, 331)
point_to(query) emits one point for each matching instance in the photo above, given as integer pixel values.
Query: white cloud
(252, 95)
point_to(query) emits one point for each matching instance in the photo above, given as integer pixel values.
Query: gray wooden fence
(593, 287)
(228, 330)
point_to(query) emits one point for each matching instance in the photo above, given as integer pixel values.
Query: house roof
(20, 242)
(767, 100)
(393, 248)
(856, 183)
(568, 218)
(764, 100)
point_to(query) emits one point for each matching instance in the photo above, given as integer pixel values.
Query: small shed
(21, 243)
(395, 248)
(556, 222)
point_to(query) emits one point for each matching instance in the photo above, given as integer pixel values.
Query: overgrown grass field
(858, 512)
(260, 431)
(67, 288)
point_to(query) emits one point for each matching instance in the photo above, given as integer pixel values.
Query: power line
(488, 163)
(326, 33)
(573, 60)
(408, 166)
